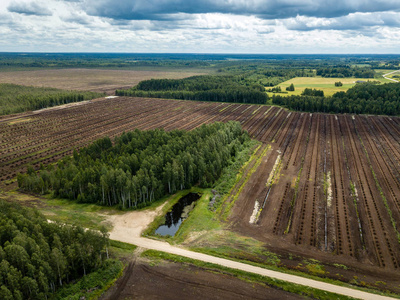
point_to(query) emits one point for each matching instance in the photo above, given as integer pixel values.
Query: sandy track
(131, 224)
(384, 76)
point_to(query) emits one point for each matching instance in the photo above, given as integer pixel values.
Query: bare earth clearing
(166, 280)
(90, 79)
(132, 223)
(335, 192)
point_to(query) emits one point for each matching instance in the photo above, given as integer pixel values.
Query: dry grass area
(91, 79)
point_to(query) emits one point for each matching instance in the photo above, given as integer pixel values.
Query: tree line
(345, 71)
(17, 98)
(312, 92)
(141, 166)
(268, 74)
(201, 88)
(363, 98)
(38, 257)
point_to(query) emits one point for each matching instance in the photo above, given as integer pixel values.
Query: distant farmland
(325, 84)
(96, 80)
(326, 184)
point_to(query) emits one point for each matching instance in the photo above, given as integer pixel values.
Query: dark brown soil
(167, 280)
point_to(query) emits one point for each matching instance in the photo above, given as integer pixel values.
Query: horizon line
(189, 53)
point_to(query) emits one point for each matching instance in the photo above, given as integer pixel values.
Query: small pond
(179, 212)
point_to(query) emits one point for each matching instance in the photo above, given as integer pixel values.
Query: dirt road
(128, 227)
(384, 76)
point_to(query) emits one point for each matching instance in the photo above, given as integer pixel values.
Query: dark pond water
(178, 213)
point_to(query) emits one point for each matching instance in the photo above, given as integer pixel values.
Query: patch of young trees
(38, 257)
(312, 92)
(17, 98)
(203, 88)
(338, 83)
(276, 89)
(363, 98)
(142, 166)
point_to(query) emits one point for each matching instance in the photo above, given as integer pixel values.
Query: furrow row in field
(307, 199)
(369, 196)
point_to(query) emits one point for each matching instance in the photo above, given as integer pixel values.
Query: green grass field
(64, 211)
(325, 84)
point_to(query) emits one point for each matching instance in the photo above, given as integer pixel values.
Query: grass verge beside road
(249, 277)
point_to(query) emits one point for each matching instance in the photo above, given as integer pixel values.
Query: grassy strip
(275, 172)
(229, 205)
(224, 243)
(222, 109)
(93, 285)
(201, 219)
(232, 174)
(121, 251)
(283, 285)
(122, 245)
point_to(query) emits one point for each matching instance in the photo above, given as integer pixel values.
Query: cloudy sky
(201, 26)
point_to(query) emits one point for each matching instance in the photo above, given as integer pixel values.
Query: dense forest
(312, 92)
(141, 166)
(345, 71)
(267, 74)
(363, 98)
(202, 88)
(17, 98)
(38, 257)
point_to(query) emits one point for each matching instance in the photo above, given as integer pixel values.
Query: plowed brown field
(335, 193)
(167, 280)
(96, 80)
